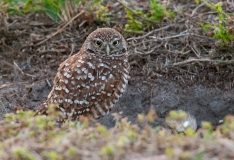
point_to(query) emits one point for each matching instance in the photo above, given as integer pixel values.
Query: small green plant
(137, 20)
(23, 153)
(53, 155)
(220, 31)
(101, 11)
(53, 8)
(58, 10)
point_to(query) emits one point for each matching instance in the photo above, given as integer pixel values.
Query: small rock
(188, 121)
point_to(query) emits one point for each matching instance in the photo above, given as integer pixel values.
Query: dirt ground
(174, 65)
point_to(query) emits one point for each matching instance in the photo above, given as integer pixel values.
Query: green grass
(139, 21)
(53, 8)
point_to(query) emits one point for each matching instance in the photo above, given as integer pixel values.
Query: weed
(23, 153)
(58, 10)
(221, 30)
(138, 21)
(107, 150)
(53, 8)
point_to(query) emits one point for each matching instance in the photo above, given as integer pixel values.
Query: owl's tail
(42, 110)
(44, 107)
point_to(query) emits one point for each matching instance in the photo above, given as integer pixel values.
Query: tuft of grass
(222, 30)
(53, 8)
(23, 153)
(62, 10)
(138, 20)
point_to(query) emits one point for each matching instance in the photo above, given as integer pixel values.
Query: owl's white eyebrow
(97, 39)
(116, 39)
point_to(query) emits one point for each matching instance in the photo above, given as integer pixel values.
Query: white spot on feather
(68, 75)
(78, 71)
(125, 80)
(62, 109)
(66, 90)
(111, 104)
(58, 88)
(125, 75)
(110, 76)
(84, 76)
(103, 87)
(124, 85)
(100, 110)
(73, 82)
(100, 64)
(70, 101)
(78, 77)
(79, 60)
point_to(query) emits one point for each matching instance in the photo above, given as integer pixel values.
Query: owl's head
(105, 42)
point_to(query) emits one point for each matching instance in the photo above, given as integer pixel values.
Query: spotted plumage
(91, 82)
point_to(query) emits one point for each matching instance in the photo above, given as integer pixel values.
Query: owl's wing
(86, 85)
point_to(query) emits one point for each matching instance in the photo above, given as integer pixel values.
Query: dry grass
(26, 137)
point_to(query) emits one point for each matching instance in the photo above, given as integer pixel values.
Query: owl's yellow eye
(98, 43)
(116, 42)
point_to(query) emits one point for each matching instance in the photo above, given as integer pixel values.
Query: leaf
(199, 155)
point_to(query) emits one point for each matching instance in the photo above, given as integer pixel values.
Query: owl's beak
(107, 49)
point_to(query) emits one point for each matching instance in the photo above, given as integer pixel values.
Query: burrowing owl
(90, 82)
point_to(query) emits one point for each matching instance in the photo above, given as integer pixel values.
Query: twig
(18, 68)
(23, 72)
(58, 31)
(48, 82)
(196, 50)
(220, 62)
(72, 50)
(195, 10)
(156, 30)
(7, 63)
(174, 36)
(5, 85)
